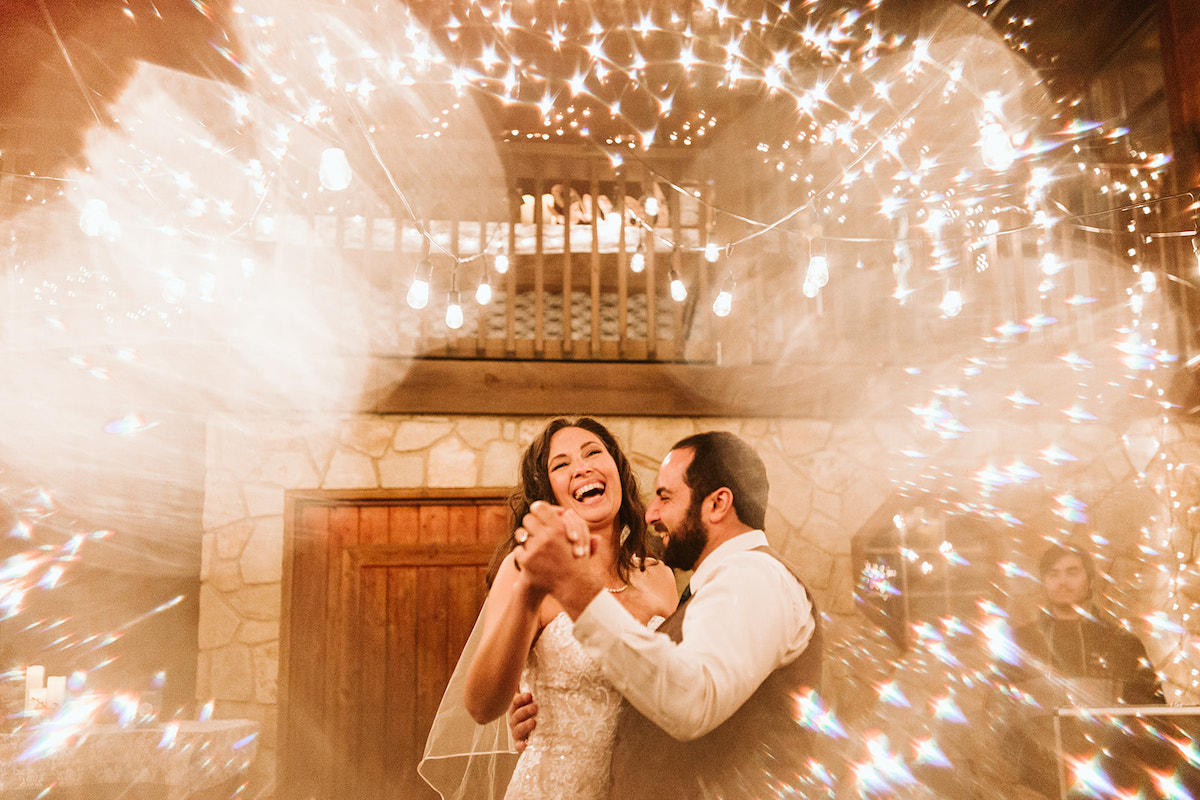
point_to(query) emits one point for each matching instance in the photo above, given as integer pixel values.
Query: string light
(818, 271)
(1051, 264)
(454, 312)
(637, 262)
(94, 219)
(816, 276)
(501, 263)
(334, 172)
(952, 303)
(418, 293)
(483, 294)
(679, 292)
(724, 302)
(711, 252)
(995, 146)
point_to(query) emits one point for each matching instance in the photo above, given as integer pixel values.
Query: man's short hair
(1058, 552)
(721, 459)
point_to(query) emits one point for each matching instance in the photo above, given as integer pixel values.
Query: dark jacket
(1090, 648)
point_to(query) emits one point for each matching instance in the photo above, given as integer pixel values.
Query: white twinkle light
(335, 172)
(501, 263)
(483, 295)
(711, 252)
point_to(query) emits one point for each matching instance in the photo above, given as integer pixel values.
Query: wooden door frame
(450, 553)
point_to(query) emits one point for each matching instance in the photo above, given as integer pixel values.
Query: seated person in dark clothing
(1072, 656)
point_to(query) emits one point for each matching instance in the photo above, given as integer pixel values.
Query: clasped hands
(553, 544)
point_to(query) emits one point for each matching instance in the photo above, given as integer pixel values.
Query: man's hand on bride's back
(522, 718)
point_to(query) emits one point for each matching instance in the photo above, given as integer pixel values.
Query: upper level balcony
(809, 250)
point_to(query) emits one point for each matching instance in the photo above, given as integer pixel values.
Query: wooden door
(380, 596)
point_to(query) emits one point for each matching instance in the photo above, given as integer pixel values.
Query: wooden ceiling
(1070, 40)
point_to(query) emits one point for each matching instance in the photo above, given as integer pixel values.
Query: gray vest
(750, 755)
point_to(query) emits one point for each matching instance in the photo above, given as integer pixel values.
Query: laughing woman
(527, 641)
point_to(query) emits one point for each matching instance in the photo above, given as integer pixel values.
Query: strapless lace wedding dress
(568, 754)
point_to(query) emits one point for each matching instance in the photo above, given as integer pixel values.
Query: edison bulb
(483, 295)
(637, 262)
(679, 292)
(952, 303)
(418, 294)
(818, 271)
(723, 304)
(334, 172)
(454, 313)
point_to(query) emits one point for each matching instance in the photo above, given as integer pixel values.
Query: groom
(713, 695)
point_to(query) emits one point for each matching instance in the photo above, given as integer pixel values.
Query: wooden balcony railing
(571, 223)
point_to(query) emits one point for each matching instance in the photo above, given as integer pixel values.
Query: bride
(525, 640)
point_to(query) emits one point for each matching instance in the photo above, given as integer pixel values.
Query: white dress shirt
(747, 617)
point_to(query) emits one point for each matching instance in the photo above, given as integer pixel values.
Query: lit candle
(56, 686)
(35, 676)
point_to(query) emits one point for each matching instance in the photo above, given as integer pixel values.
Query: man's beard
(686, 542)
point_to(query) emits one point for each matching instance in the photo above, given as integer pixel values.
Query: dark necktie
(687, 594)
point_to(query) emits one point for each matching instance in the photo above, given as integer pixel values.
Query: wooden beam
(444, 386)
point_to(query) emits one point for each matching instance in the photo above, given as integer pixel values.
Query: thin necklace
(622, 588)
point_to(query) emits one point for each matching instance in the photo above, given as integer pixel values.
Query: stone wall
(826, 480)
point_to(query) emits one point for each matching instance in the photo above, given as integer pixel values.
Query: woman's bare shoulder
(658, 581)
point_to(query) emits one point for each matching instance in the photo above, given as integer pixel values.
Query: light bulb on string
(952, 303)
(711, 252)
(501, 263)
(818, 271)
(483, 294)
(334, 171)
(651, 206)
(724, 302)
(454, 312)
(995, 146)
(637, 261)
(94, 219)
(418, 293)
(679, 292)
(1051, 264)
(1148, 281)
